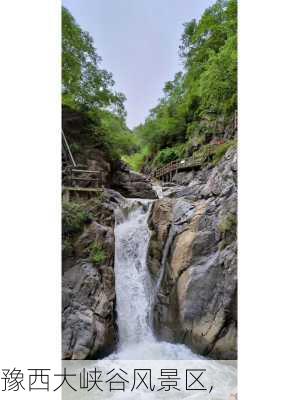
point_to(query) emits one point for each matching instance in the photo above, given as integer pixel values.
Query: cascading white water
(133, 283)
(134, 288)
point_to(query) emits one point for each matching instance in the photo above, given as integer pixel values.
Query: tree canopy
(88, 88)
(84, 84)
(206, 91)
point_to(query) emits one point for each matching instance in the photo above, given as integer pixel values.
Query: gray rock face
(193, 251)
(89, 329)
(132, 184)
(88, 324)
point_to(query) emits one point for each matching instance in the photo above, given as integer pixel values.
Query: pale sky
(138, 41)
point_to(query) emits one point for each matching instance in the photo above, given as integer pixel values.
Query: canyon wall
(193, 258)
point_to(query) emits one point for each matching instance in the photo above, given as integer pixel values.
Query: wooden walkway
(166, 172)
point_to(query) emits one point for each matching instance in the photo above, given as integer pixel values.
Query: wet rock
(197, 270)
(159, 222)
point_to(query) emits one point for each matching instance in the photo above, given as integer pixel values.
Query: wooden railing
(170, 169)
(76, 177)
(175, 166)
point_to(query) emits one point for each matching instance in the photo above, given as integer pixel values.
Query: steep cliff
(193, 259)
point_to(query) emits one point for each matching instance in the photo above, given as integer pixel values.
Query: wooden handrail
(177, 165)
(83, 171)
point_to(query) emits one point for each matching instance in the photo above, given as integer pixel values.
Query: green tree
(201, 95)
(85, 85)
(88, 88)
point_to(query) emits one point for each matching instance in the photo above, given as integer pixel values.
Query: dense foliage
(196, 105)
(88, 88)
(201, 98)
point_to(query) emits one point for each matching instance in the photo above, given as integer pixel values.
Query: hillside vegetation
(89, 89)
(200, 103)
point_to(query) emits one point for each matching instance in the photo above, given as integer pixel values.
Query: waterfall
(135, 290)
(133, 283)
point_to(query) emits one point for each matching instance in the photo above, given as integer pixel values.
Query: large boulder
(193, 257)
(88, 323)
(131, 184)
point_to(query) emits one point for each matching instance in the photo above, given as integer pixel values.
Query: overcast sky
(138, 41)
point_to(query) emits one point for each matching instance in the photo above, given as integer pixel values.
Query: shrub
(97, 254)
(67, 248)
(73, 218)
(228, 229)
(169, 154)
(213, 152)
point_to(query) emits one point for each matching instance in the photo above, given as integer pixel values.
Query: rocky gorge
(191, 258)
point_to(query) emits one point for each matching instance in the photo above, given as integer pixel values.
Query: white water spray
(133, 283)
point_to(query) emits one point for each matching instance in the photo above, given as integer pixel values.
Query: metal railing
(75, 175)
(67, 149)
